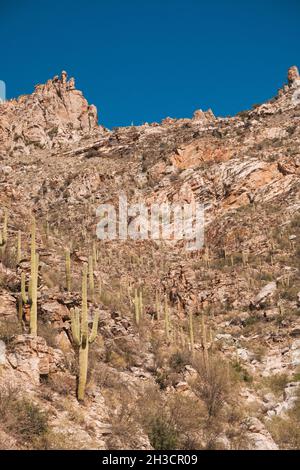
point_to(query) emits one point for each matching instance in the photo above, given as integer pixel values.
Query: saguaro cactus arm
(94, 331)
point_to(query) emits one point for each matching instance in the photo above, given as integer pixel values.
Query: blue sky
(141, 60)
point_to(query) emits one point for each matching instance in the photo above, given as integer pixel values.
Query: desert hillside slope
(194, 350)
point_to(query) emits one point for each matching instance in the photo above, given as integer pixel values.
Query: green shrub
(162, 433)
(179, 360)
(242, 373)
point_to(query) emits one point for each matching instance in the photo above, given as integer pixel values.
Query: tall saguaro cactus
(191, 331)
(204, 341)
(19, 247)
(30, 299)
(157, 304)
(91, 279)
(141, 305)
(34, 268)
(3, 233)
(137, 307)
(167, 318)
(81, 336)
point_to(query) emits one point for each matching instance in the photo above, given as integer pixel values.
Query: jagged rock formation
(293, 76)
(58, 163)
(55, 115)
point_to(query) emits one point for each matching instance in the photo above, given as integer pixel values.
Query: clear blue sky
(143, 60)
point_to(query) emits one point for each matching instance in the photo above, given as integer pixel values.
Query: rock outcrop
(293, 76)
(54, 115)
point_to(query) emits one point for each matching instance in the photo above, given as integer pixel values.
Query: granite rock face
(55, 114)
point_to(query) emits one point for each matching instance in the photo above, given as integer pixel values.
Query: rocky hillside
(194, 350)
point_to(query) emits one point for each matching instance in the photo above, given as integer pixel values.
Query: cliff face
(243, 286)
(56, 114)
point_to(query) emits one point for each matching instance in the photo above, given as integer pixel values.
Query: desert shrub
(56, 441)
(286, 430)
(116, 360)
(8, 257)
(31, 421)
(167, 378)
(52, 277)
(173, 423)
(106, 377)
(259, 351)
(123, 425)
(241, 373)
(23, 419)
(127, 349)
(266, 276)
(212, 384)
(8, 329)
(276, 383)
(189, 417)
(61, 383)
(162, 433)
(290, 293)
(157, 420)
(296, 376)
(48, 333)
(179, 359)
(295, 223)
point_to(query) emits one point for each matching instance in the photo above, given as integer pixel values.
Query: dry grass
(9, 329)
(23, 419)
(286, 430)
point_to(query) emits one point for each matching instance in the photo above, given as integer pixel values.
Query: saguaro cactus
(191, 330)
(30, 299)
(206, 257)
(95, 253)
(204, 340)
(34, 268)
(19, 247)
(47, 228)
(157, 304)
(68, 270)
(91, 279)
(81, 336)
(141, 305)
(136, 307)
(245, 257)
(3, 233)
(167, 319)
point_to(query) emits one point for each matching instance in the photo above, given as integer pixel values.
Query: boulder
(31, 356)
(265, 293)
